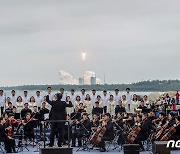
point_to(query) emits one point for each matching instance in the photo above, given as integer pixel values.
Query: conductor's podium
(56, 150)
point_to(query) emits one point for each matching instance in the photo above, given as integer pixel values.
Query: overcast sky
(128, 40)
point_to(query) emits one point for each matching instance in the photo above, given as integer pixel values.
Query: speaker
(159, 147)
(56, 150)
(131, 149)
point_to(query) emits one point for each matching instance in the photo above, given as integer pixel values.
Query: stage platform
(32, 151)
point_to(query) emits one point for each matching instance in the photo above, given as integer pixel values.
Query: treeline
(154, 85)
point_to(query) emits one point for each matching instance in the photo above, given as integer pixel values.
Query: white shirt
(26, 99)
(83, 97)
(117, 98)
(2, 101)
(51, 96)
(93, 99)
(105, 100)
(63, 97)
(39, 100)
(31, 105)
(19, 106)
(128, 98)
(13, 100)
(73, 98)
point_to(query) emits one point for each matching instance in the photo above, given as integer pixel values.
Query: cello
(98, 135)
(170, 132)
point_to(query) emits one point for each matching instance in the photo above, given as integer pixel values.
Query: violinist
(80, 128)
(143, 123)
(8, 141)
(109, 133)
(11, 125)
(28, 127)
(76, 114)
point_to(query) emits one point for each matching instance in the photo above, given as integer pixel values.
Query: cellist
(143, 134)
(109, 133)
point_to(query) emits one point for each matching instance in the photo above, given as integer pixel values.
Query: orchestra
(98, 124)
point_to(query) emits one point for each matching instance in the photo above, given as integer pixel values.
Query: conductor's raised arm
(47, 100)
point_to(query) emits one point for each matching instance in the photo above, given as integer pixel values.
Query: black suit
(109, 134)
(9, 144)
(58, 111)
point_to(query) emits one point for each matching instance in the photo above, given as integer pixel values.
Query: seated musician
(80, 128)
(120, 126)
(176, 136)
(25, 111)
(95, 122)
(11, 122)
(97, 109)
(142, 105)
(76, 114)
(9, 109)
(109, 133)
(120, 108)
(143, 123)
(162, 121)
(28, 127)
(8, 141)
(171, 119)
(129, 121)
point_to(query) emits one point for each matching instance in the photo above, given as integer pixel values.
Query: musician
(162, 119)
(176, 135)
(58, 113)
(8, 141)
(25, 110)
(109, 134)
(80, 128)
(28, 127)
(143, 123)
(171, 119)
(9, 109)
(120, 108)
(97, 110)
(95, 122)
(76, 114)
(130, 121)
(120, 126)
(11, 123)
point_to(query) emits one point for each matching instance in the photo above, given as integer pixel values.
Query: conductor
(58, 113)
